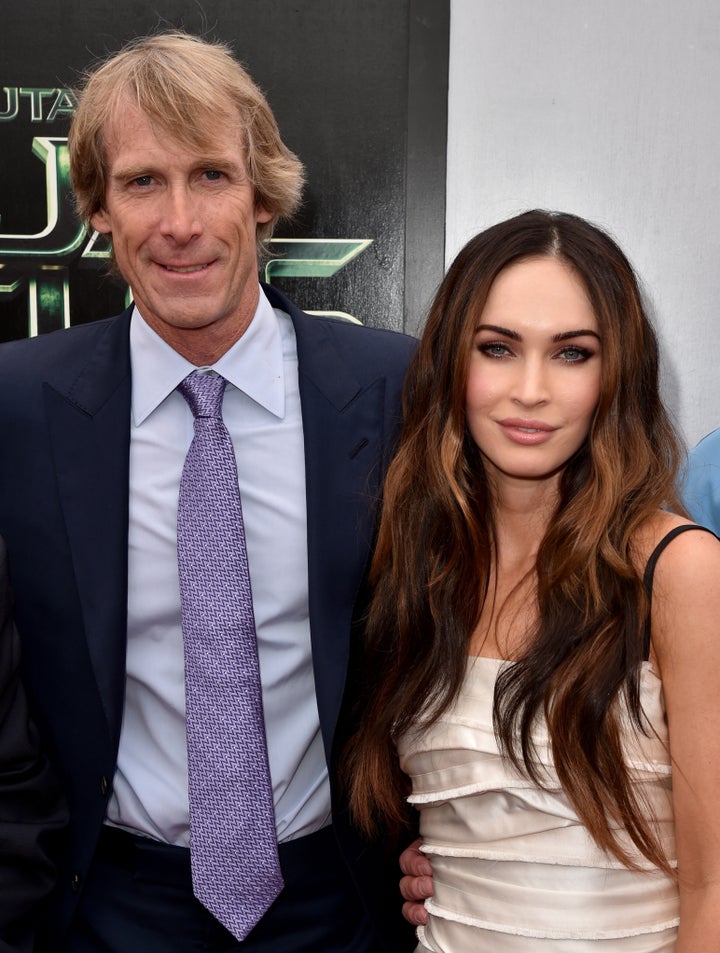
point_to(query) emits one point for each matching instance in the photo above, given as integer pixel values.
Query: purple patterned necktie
(233, 845)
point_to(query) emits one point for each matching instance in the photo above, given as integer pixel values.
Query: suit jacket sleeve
(32, 812)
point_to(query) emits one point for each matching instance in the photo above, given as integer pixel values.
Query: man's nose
(180, 215)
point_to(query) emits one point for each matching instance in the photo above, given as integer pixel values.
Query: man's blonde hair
(189, 87)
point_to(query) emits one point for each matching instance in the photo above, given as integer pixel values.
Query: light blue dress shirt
(702, 482)
(262, 411)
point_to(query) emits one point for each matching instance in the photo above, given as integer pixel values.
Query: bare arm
(686, 647)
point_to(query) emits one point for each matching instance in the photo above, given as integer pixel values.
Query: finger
(415, 913)
(416, 888)
(413, 862)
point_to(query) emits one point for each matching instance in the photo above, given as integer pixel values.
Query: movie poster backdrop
(360, 93)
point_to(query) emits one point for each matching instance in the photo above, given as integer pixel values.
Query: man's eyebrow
(219, 162)
(130, 171)
(136, 169)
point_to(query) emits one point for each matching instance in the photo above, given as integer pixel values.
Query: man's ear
(261, 214)
(100, 221)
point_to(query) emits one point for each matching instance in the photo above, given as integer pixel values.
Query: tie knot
(204, 394)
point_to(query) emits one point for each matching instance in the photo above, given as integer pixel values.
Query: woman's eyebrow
(561, 336)
(583, 332)
(498, 330)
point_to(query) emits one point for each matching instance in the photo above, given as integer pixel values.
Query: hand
(417, 884)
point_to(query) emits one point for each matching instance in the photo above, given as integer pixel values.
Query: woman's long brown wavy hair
(435, 549)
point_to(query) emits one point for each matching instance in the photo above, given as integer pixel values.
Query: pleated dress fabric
(514, 869)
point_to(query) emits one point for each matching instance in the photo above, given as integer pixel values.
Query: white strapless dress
(514, 869)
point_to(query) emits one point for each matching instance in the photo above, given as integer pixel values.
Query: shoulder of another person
(708, 446)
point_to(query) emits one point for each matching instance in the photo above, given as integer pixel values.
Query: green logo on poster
(44, 105)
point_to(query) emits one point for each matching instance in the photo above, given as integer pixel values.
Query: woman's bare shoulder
(659, 526)
(685, 589)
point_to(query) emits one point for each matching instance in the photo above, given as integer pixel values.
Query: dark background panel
(359, 91)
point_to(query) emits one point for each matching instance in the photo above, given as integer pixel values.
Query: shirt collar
(254, 364)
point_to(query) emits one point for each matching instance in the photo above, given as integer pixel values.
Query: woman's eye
(574, 355)
(495, 349)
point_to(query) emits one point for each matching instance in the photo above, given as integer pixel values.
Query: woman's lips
(526, 432)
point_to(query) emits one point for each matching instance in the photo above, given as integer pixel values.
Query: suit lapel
(89, 424)
(343, 433)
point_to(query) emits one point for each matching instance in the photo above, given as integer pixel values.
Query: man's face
(183, 226)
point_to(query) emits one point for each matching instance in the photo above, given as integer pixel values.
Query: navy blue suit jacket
(65, 432)
(31, 810)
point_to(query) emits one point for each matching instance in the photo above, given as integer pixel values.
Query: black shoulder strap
(650, 572)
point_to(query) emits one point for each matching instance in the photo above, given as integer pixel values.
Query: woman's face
(534, 377)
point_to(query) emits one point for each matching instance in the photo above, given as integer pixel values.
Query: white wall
(609, 109)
